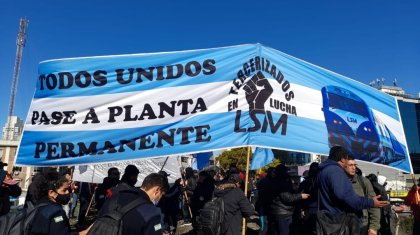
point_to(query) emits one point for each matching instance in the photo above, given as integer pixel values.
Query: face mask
(63, 199)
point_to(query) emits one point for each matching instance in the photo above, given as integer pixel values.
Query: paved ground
(187, 229)
(184, 228)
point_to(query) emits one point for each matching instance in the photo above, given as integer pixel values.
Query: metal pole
(185, 193)
(90, 203)
(164, 163)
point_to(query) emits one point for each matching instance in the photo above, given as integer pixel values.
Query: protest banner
(95, 173)
(111, 108)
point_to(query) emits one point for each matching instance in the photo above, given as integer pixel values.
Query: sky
(363, 40)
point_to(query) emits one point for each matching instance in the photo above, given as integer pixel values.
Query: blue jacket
(336, 194)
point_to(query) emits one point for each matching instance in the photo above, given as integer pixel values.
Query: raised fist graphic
(257, 91)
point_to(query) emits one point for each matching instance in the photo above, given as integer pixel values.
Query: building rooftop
(399, 93)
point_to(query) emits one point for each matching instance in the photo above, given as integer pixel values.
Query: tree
(236, 157)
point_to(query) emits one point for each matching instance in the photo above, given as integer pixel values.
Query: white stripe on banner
(110, 108)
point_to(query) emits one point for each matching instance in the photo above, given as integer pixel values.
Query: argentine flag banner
(110, 108)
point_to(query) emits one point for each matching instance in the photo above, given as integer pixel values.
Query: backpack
(19, 223)
(210, 220)
(111, 221)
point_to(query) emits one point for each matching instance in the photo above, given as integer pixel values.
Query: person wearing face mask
(146, 217)
(51, 217)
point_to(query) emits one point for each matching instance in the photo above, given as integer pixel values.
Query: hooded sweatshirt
(336, 194)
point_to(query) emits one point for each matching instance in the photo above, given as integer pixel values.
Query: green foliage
(275, 163)
(237, 157)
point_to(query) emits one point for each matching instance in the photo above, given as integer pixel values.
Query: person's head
(372, 178)
(164, 173)
(51, 174)
(313, 169)
(350, 166)
(58, 191)
(270, 172)
(339, 154)
(113, 173)
(212, 173)
(55, 190)
(195, 173)
(281, 171)
(130, 175)
(235, 179)
(233, 169)
(155, 186)
(203, 175)
(188, 172)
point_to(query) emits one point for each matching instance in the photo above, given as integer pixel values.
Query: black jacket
(50, 219)
(265, 195)
(100, 194)
(237, 206)
(6, 192)
(308, 186)
(145, 219)
(284, 198)
(202, 194)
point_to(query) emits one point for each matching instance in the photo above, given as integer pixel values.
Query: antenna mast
(20, 42)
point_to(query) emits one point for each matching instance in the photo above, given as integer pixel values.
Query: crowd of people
(333, 190)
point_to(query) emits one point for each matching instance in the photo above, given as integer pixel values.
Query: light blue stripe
(305, 74)
(304, 135)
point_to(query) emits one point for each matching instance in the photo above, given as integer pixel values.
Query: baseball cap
(164, 173)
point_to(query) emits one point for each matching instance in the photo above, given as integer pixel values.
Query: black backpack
(210, 220)
(111, 221)
(19, 223)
